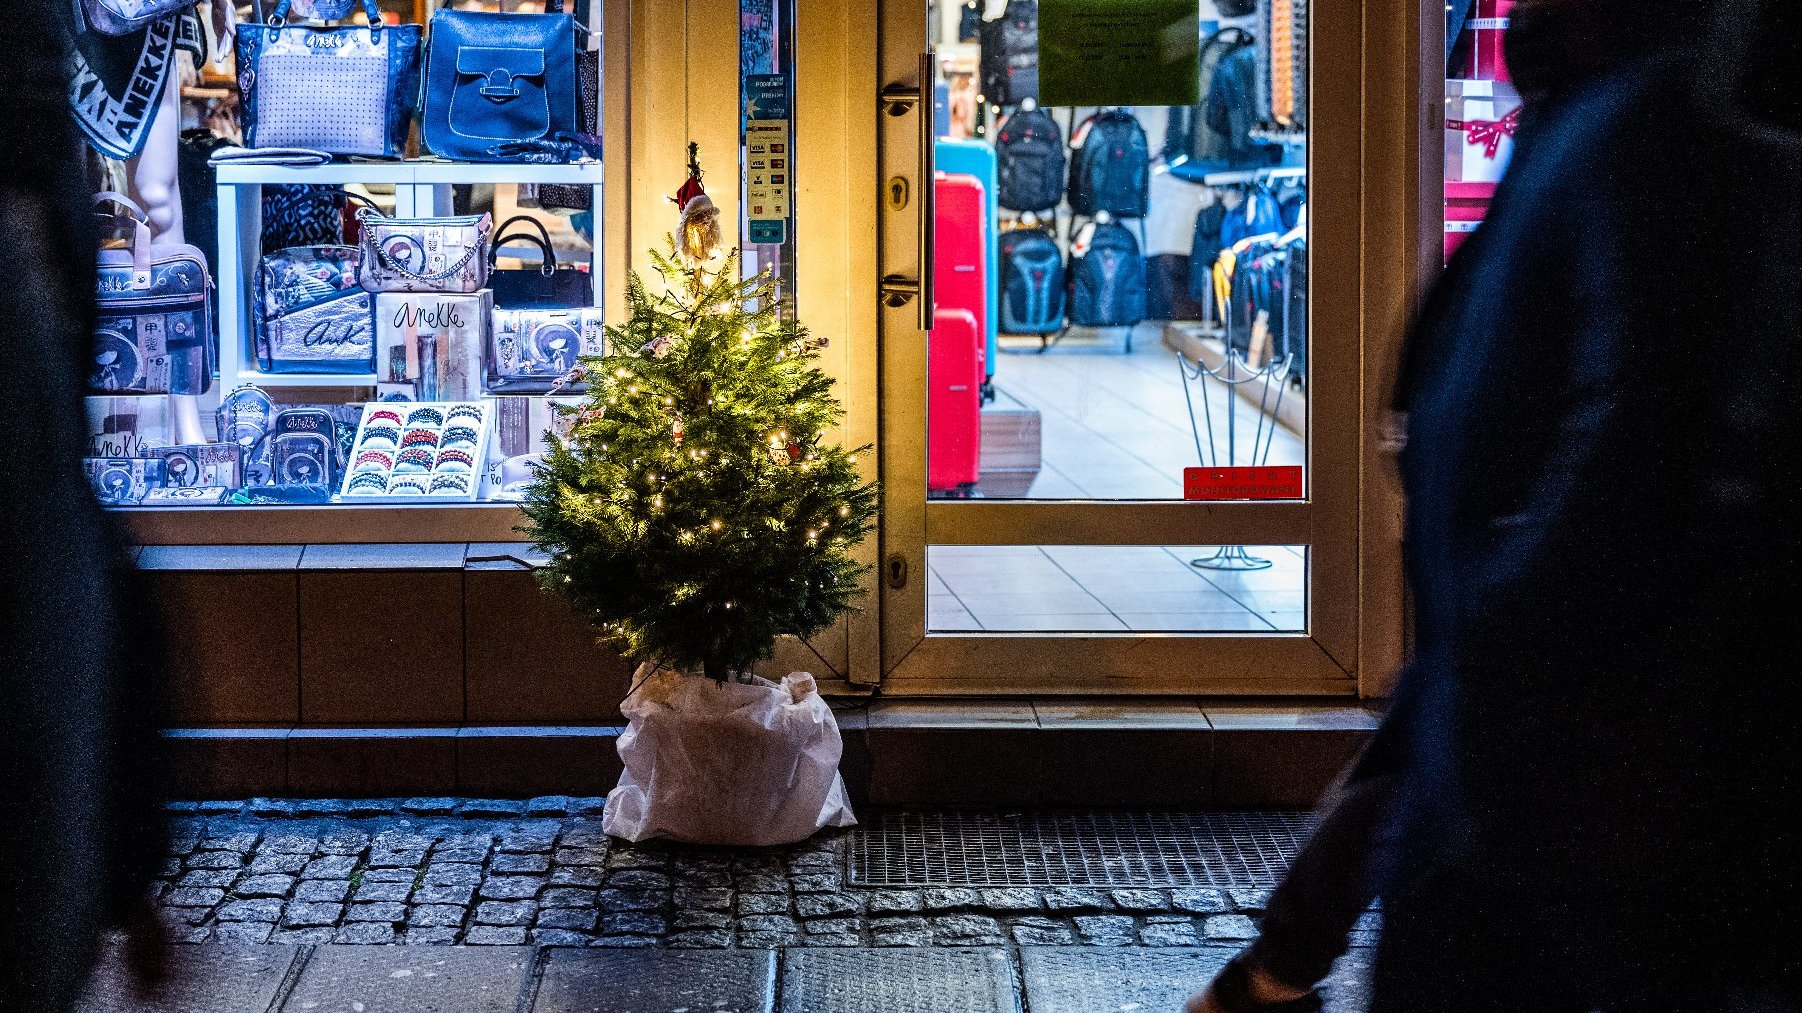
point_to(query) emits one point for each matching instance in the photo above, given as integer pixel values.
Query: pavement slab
(650, 981)
(411, 979)
(899, 981)
(218, 978)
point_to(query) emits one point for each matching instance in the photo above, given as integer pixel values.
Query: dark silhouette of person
(81, 826)
(1578, 799)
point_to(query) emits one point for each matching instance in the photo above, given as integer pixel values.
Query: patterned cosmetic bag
(311, 313)
(424, 254)
(153, 331)
(349, 90)
(122, 17)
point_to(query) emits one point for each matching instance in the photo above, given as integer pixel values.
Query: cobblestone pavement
(441, 870)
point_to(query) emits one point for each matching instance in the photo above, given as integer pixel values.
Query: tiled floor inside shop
(1115, 426)
(528, 907)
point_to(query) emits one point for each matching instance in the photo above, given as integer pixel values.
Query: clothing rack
(1243, 176)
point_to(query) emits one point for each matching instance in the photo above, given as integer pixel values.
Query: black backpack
(1204, 249)
(1010, 54)
(1032, 283)
(1107, 283)
(1029, 152)
(1111, 170)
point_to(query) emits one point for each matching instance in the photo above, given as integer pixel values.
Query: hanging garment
(1215, 134)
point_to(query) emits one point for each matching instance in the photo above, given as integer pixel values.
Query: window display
(337, 319)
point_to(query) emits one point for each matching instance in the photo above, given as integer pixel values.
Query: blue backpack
(1112, 168)
(1107, 283)
(1032, 283)
(1029, 148)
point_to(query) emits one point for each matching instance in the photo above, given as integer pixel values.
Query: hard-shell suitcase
(977, 158)
(953, 402)
(960, 264)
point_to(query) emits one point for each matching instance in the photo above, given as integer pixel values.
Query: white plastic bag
(740, 763)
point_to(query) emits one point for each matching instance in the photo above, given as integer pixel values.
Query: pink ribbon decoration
(1488, 133)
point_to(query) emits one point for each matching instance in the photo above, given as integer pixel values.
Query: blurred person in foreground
(1576, 801)
(80, 819)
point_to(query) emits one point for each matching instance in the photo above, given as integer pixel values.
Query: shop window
(348, 359)
(1121, 289)
(1117, 589)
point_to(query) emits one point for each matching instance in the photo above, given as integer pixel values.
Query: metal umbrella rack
(1233, 373)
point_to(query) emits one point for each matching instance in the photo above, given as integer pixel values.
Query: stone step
(1157, 752)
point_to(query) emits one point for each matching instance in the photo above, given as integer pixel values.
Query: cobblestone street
(542, 872)
(534, 910)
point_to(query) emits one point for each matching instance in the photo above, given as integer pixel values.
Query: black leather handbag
(548, 286)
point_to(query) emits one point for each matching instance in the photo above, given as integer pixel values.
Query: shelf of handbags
(421, 236)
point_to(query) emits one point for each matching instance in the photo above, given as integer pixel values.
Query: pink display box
(1489, 61)
(1480, 120)
(1462, 216)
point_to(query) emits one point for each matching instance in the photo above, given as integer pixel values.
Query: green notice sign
(1119, 52)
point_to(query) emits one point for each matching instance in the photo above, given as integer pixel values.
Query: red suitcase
(960, 262)
(953, 402)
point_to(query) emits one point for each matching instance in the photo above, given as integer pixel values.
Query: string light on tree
(672, 516)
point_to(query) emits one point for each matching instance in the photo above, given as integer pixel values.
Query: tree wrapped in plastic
(696, 510)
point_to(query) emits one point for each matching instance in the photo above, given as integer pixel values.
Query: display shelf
(422, 188)
(262, 379)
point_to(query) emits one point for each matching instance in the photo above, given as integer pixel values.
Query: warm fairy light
(716, 524)
(844, 511)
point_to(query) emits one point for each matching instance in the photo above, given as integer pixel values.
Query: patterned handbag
(423, 254)
(311, 313)
(153, 329)
(349, 90)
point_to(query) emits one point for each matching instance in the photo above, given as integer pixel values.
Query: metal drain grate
(1101, 848)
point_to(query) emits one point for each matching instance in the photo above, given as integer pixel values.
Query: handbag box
(128, 426)
(1480, 119)
(529, 350)
(429, 345)
(201, 465)
(523, 428)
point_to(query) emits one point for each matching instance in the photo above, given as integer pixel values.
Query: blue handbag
(349, 90)
(501, 87)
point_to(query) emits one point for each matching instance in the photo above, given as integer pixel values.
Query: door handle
(897, 100)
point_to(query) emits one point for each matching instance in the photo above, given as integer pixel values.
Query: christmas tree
(695, 510)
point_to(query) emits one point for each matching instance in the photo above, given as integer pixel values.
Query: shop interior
(1145, 313)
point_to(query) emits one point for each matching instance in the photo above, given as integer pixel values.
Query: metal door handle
(896, 100)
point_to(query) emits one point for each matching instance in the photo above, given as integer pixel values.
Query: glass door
(1120, 389)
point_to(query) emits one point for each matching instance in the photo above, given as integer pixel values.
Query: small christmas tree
(695, 511)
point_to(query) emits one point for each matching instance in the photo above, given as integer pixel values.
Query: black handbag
(548, 286)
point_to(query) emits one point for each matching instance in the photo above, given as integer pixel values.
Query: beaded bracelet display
(459, 434)
(419, 437)
(385, 415)
(374, 458)
(425, 417)
(467, 411)
(456, 460)
(408, 486)
(373, 482)
(415, 457)
(380, 435)
(450, 483)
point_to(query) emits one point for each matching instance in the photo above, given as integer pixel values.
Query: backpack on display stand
(1029, 150)
(1009, 62)
(1032, 283)
(1107, 283)
(1111, 168)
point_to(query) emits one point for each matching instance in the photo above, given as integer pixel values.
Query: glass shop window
(1121, 262)
(351, 252)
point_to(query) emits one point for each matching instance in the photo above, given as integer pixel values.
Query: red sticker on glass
(1282, 482)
